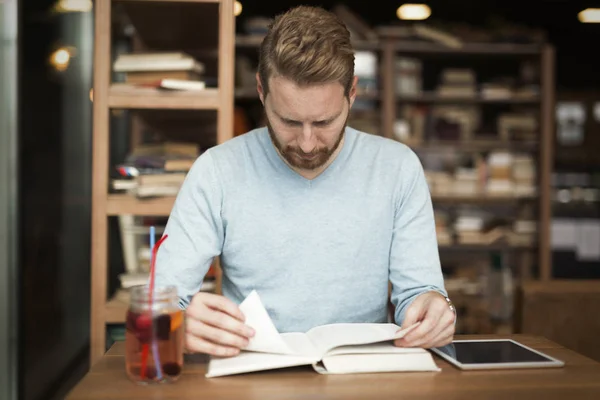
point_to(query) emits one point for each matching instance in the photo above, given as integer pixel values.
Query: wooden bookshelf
(432, 97)
(126, 204)
(542, 146)
(205, 26)
(123, 96)
(429, 49)
(114, 311)
(482, 199)
(477, 145)
(525, 259)
(477, 248)
(252, 43)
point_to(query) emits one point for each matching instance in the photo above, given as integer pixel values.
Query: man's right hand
(215, 326)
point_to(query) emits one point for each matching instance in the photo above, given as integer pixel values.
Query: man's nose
(308, 141)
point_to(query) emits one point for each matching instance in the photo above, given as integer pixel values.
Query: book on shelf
(168, 147)
(151, 185)
(144, 77)
(484, 237)
(160, 61)
(162, 70)
(129, 280)
(169, 157)
(175, 84)
(457, 82)
(342, 348)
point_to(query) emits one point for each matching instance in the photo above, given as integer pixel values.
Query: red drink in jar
(154, 336)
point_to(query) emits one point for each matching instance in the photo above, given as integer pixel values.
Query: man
(314, 215)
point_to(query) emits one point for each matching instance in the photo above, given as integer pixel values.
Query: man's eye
(292, 123)
(322, 123)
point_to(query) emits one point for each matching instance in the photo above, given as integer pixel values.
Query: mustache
(297, 150)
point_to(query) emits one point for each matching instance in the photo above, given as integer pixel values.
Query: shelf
(118, 204)
(173, 1)
(483, 248)
(126, 96)
(175, 25)
(254, 42)
(242, 93)
(432, 97)
(500, 49)
(115, 311)
(475, 145)
(246, 93)
(480, 199)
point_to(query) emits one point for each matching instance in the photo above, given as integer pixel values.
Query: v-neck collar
(281, 165)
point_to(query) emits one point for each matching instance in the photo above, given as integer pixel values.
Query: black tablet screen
(490, 352)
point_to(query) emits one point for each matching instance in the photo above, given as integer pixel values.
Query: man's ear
(259, 89)
(352, 93)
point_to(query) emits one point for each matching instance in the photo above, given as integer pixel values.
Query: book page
(375, 348)
(327, 337)
(266, 338)
(300, 344)
(248, 361)
(370, 363)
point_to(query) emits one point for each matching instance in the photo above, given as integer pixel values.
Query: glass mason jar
(154, 335)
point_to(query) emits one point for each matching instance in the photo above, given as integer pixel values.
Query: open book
(330, 349)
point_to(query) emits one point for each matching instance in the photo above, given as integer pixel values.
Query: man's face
(306, 123)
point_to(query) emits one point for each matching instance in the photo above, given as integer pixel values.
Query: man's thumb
(413, 314)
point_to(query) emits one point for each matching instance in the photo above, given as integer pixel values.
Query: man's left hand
(436, 319)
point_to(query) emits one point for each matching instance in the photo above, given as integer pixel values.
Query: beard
(297, 158)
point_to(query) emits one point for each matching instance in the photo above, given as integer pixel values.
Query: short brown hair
(307, 45)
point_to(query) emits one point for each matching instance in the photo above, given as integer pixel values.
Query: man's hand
(436, 319)
(215, 325)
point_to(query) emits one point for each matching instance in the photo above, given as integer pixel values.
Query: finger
(445, 337)
(433, 312)
(215, 335)
(413, 314)
(225, 305)
(199, 345)
(223, 321)
(442, 323)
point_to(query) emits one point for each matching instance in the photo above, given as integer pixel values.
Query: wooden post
(388, 114)
(546, 159)
(100, 161)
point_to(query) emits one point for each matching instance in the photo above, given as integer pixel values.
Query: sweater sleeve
(414, 259)
(195, 232)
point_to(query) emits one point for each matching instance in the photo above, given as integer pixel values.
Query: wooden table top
(579, 379)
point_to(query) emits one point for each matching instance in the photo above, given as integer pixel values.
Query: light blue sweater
(317, 251)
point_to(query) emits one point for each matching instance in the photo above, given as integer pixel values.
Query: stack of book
(129, 280)
(472, 228)
(440, 182)
(524, 175)
(442, 229)
(517, 126)
(500, 174)
(156, 170)
(466, 182)
(173, 70)
(523, 233)
(457, 82)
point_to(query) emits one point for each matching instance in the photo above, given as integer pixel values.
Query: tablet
(494, 354)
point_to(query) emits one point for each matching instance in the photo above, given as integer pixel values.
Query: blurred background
(500, 100)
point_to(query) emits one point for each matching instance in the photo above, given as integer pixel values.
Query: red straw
(150, 300)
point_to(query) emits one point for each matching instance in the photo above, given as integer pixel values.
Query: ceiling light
(589, 15)
(413, 11)
(60, 59)
(237, 8)
(64, 6)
